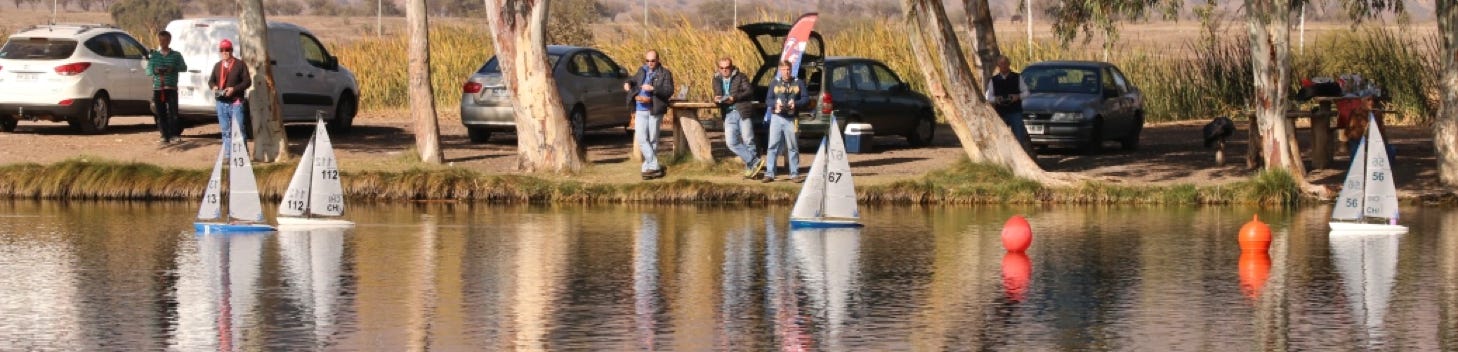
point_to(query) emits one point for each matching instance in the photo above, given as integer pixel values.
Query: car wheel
(922, 133)
(1095, 138)
(478, 135)
(343, 115)
(578, 122)
(1131, 141)
(8, 124)
(98, 116)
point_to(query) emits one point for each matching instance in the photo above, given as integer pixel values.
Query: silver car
(588, 81)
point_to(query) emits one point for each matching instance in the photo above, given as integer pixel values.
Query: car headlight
(1066, 116)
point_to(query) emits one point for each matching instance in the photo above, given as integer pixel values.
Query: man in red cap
(229, 81)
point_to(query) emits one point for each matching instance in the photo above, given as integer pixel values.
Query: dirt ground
(1170, 153)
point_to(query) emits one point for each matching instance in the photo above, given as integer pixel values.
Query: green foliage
(1406, 68)
(569, 22)
(145, 17)
(380, 65)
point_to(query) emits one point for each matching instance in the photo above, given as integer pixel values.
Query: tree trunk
(422, 100)
(983, 135)
(1269, 22)
(984, 40)
(1445, 135)
(543, 135)
(270, 143)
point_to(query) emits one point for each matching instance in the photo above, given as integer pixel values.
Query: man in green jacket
(163, 65)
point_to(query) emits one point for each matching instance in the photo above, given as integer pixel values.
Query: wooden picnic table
(1322, 131)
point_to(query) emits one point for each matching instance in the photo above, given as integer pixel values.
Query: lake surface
(83, 276)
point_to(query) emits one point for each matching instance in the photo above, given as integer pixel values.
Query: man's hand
(228, 91)
(647, 87)
(627, 87)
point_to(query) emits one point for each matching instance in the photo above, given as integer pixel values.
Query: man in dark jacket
(1006, 91)
(229, 81)
(648, 95)
(787, 97)
(734, 94)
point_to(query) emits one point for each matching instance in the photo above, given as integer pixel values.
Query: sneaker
(797, 179)
(163, 141)
(767, 179)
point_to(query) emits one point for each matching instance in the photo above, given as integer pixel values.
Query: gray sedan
(1081, 103)
(588, 81)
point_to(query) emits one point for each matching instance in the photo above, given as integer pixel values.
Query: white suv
(81, 74)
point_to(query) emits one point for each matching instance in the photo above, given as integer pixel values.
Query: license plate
(27, 76)
(1035, 129)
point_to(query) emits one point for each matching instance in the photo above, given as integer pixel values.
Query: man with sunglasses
(648, 95)
(229, 80)
(734, 94)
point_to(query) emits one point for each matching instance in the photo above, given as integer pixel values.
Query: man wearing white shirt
(1006, 91)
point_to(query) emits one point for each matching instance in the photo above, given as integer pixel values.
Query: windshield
(1062, 80)
(493, 67)
(37, 49)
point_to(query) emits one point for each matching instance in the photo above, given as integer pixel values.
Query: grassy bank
(962, 183)
(1180, 81)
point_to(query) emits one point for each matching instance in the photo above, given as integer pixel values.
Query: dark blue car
(1081, 104)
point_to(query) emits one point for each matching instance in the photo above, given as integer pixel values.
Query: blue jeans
(646, 135)
(1014, 121)
(782, 134)
(229, 116)
(739, 136)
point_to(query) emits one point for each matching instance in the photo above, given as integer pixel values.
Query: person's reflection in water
(645, 281)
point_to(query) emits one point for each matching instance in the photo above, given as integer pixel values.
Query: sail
(212, 205)
(296, 198)
(840, 187)
(327, 198)
(243, 203)
(811, 201)
(1349, 202)
(1381, 191)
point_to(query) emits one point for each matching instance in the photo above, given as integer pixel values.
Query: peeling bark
(270, 143)
(1269, 23)
(543, 135)
(422, 99)
(1445, 135)
(954, 90)
(984, 40)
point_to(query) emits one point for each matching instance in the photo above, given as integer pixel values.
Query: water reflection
(217, 293)
(312, 264)
(1368, 268)
(827, 264)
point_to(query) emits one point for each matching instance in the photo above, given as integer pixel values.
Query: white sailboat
(1369, 191)
(245, 211)
(828, 198)
(315, 189)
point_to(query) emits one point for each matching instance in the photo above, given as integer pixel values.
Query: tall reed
(380, 64)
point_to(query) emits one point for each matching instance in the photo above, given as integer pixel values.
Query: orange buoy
(1255, 236)
(1016, 234)
(1254, 266)
(1016, 270)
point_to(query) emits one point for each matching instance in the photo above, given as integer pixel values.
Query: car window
(131, 49)
(1119, 80)
(840, 78)
(492, 66)
(37, 49)
(1108, 82)
(605, 66)
(1052, 79)
(884, 78)
(104, 45)
(861, 77)
(811, 75)
(582, 65)
(314, 52)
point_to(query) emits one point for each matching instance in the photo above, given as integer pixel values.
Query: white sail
(327, 198)
(1381, 191)
(811, 201)
(296, 197)
(243, 202)
(1349, 202)
(840, 187)
(212, 203)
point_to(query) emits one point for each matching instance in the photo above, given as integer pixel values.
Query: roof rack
(81, 27)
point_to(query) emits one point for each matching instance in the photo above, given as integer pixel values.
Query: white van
(309, 80)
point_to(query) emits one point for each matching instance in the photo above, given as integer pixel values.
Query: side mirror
(622, 73)
(333, 63)
(899, 88)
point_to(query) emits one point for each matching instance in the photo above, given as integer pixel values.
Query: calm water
(103, 276)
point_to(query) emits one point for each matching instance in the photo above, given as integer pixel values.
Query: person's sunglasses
(724, 68)
(654, 60)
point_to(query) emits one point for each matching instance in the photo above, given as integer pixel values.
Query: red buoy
(1016, 234)
(1016, 271)
(1255, 236)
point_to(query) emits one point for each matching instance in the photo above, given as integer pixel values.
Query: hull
(292, 222)
(224, 228)
(823, 223)
(1356, 228)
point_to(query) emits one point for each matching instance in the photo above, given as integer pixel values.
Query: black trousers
(164, 102)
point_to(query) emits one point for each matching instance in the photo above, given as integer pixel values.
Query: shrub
(145, 16)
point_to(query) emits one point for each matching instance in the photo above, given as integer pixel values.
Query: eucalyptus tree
(270, 143)
(1445, 135)
(544, 140)
(422, 100)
